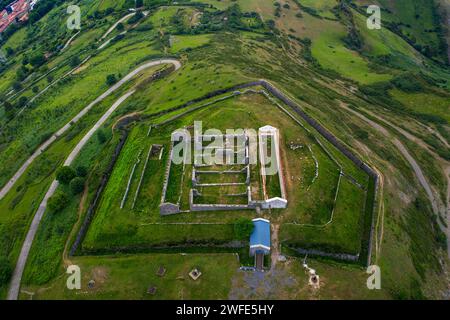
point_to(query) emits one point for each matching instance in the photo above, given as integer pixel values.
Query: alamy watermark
(374, 21)
(74, 20)
(74, 280)
(232, 147)
(374, 280)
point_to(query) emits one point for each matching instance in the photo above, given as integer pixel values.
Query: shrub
(120, 27)
(77, 185)
(101, 136)
(111, 79)
(362, 134)
(9, 51)
(117, 38)
(81, 171)
(65, 174)
(17, 86)
(21, 73)
(21, 102)
(5, 271)
(243, 228)
(74, 62)
(58, 202)
(408, 82)
(138, 16)
(37, 60)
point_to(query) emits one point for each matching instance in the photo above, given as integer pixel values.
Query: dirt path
(13, 292)
(275, 245)
(69, 41)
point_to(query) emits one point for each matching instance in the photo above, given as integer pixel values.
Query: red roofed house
(14, 12)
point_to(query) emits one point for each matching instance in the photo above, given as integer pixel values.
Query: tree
(77, 185)
(7, 105)
(35, 89)
(243, 228)
(9, 51)
(120, 27)
(101, 136)
(74, 62)
(58, 202)
(21, 102)
(65, 174)
(9, 110)
(5, 271)
(17, 86)
(138, 16)
(22, 73)
(37, 60)
(111, 79)
(50, 78)
(81, 171)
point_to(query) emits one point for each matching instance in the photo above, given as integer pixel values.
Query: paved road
(116, 24)
(13, 292)
(64, 129)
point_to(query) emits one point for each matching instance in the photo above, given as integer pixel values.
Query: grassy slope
(401, 271)
(129, 278)
(417, 21)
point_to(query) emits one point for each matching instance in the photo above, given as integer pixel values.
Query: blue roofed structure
(260, 238)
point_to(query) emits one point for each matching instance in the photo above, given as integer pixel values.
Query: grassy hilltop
(373, 89)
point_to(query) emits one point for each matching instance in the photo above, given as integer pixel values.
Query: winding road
(13, 292)
(104, 44)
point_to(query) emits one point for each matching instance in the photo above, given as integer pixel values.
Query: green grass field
(130, 277)
(215, 57)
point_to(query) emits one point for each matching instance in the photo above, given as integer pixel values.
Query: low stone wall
(167, 174)
(215, 207)
(336, 256)
(218, 207)
(167, 209)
